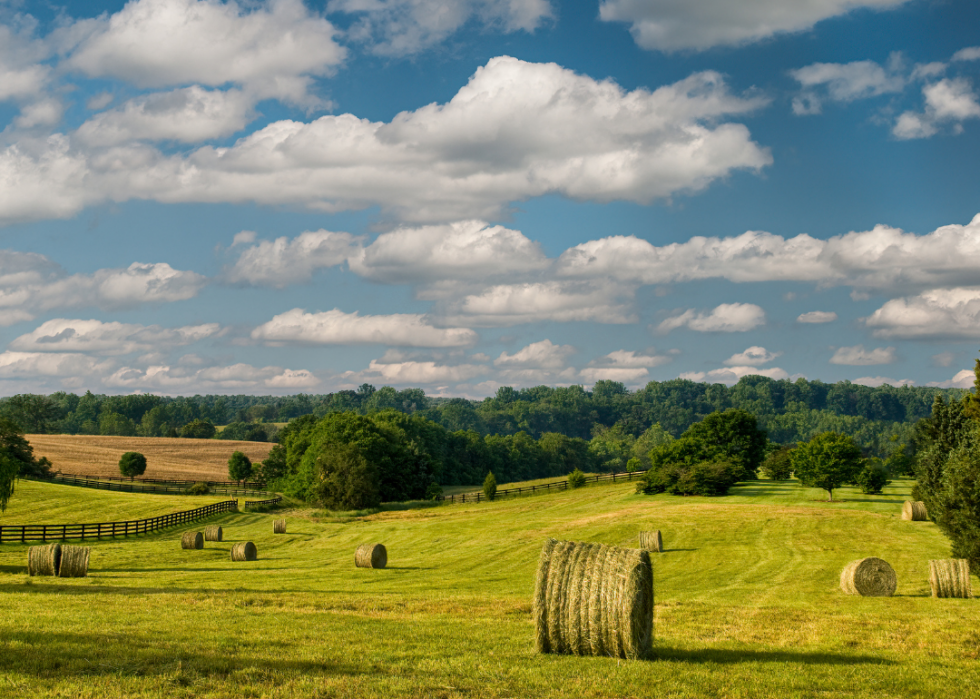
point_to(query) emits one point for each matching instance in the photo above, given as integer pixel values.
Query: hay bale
(192, 540)
(950, 578)
(279, 526)
(593, 599)
(74, 561)
(244, 551)
(371, 556)
(43, 560)
(213, 532)
(652, 541)
(869, 577)
(914, 511)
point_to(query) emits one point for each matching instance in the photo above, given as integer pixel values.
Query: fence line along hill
(167, 457)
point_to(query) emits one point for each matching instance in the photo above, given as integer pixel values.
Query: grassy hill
(747, 605)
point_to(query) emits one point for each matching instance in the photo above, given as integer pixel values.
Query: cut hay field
(747, 605)
(167, 458)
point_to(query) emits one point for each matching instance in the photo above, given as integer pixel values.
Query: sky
(284, 196)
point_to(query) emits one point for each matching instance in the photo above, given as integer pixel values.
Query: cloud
(627, 375)
(876, 381)
(817, 317)
(414, 373)
(282, 262)
(674, 25)
(946, 101)
(858, 356)
(515, 131)
(731, 375)
(112, 338)
(962, 379)
(23, 76)
(187, 115)
(945, 359)
(401, 27)
(537, 355)
(338, 328)
(237, 378)
(844, 82)
(753, 356)
(29, 365)
(938, 313)
(971, 53)
(727, 318)
(511, 304)
(273, 49)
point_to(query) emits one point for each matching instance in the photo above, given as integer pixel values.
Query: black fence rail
(60, 532)
(478, 496)
(127, 487)
(248, 485)
(261, 503)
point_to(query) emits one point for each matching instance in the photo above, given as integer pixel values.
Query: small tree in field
(239, 466)
(576, 479)
(132, 464)
(827, 461)
(490, 486)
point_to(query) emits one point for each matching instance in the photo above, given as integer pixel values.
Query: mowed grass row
(747, 595)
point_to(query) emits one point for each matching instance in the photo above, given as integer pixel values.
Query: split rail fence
(554, 487)
(136, 487)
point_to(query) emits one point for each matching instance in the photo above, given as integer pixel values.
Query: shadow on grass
(14, 570)
(716, 655)
(672, 550)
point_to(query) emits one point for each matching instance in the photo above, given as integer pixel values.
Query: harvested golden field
(166, 457)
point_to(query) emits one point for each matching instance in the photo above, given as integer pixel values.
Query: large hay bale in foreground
(213, 532)
(371, 556)
(192, 540)
(914, 511)
(652, 541)
(43, 560)
(593, 599)
(869, 577)
(950, 578)
(74, 561)
(279, 526)
(244, 551)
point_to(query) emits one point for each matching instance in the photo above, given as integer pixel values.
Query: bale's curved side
(244, 551)
(914, 511)
(869, 577)
(74, 561)
(593, 599)
(950, 578)
(44, 560)
(371, 556)
(213, 532)
(652, 541)
(279, 526)
(192, 540)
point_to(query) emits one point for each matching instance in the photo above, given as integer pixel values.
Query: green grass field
(747, 593)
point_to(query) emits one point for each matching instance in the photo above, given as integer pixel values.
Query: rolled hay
(244, 551)
(279, 526)
(44, 560)
(74, 561)
(213, 532)
(950, 578)
(593, 599)
(652, 541)
(371, 556)
(192, 540)
(914, 511)
(869, 577)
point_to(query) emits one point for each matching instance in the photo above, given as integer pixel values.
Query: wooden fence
(248, 485)
(61, 532)
(260, 503)
(136, 487)
(478, 496)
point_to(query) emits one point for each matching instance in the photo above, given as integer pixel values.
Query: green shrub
(490, 486)
(634, 464)
(777, 466)
(873, 477)
(704, 478)
(132, 464)
(576, 479)
(199, 488)
(434, 492)
(198, 429)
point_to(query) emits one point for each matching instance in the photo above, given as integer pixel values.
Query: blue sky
(281, 197)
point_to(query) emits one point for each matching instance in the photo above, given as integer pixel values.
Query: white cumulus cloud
(510, 304)
(537, 355)
(414, 373)
(876, 381)
(951, 100)
(753, 356)
(338, 328)
(817, 317)
(731, 375)
(727, 317)
(962, 379)
(858, 356)
(937, 313)
(219, 379)
(282, 262)
(108, 338)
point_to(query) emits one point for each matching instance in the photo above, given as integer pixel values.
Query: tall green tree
(132, 464)
(35, 413)
(239, 466)
(827, 461)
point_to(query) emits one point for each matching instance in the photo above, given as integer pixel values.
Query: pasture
(747, 603)
(166, 457)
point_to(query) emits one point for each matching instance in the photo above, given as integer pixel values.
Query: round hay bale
(244, 551)
(213, 532)
(950, 578)
(44, 560)
(74, 561)
(192, 540)
(593, 599)
(914, 511)
(279, 526)
(371, 556)
(869, 577)
(652, 541)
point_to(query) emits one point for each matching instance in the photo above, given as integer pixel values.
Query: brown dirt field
(166, 457)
